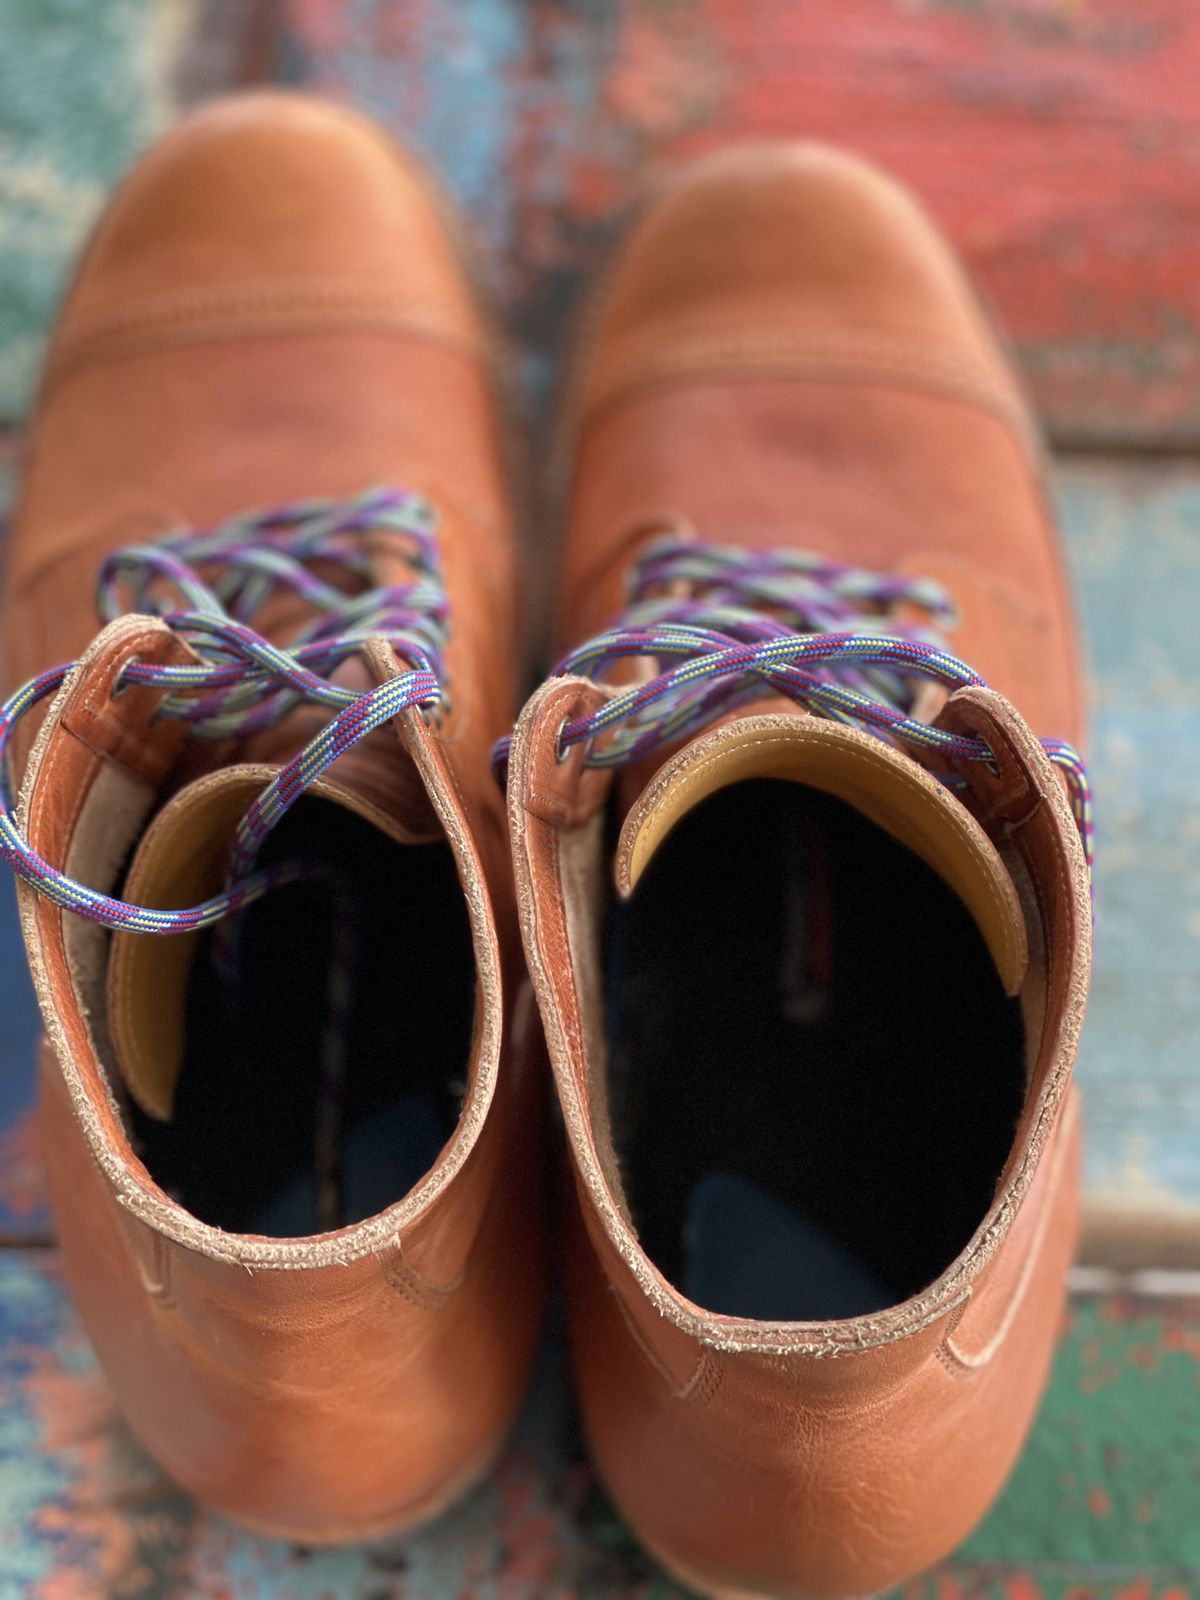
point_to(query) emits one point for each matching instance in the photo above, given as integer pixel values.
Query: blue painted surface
(82, 88)
(23, 1212)
(1133, 539)
(457, 90)
(511, 105)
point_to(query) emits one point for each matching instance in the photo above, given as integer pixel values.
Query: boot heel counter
(296, 1398)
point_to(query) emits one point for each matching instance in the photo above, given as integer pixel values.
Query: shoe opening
(814, 1069)
(326, 1037)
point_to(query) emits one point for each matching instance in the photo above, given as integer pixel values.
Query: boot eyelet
(121, 685)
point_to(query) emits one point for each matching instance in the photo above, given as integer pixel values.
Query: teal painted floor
(1132, 537)
(1102, 1506)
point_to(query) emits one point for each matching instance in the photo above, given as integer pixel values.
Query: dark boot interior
(278, 1130)
(814, 1072)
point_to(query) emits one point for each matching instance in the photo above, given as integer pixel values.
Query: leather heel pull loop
(112, 719)
(1019, 798)
(558, 786)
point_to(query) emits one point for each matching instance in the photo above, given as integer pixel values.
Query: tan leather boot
(294, 1170)
(804, 902)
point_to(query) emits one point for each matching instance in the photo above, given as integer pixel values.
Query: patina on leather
(272, 308)
(784, 354)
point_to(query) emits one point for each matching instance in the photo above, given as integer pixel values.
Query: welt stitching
(138, 342)
(901, 354)
(168, 310)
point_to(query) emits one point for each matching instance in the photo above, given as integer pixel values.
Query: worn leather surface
(274, 306)
(785, 353)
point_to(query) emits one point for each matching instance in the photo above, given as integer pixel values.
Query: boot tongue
(888, 788)
(378, 769)
(183, 857)
(377, 772)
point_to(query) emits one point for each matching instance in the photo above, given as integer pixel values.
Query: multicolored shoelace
(206, 585)
(742, 624)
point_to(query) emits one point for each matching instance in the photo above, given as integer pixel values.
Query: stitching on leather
(941, 1355)
(174, 306)
(156, 1277)
(52, 761)
(413, 1286)
(895, 352)
(561, 939)
(208, 318)
(89, 540)
(681, 1391)
(974, 1361)
(810, 359)
(104, 352)
(711, 1378)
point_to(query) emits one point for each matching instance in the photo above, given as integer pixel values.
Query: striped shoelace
(206, 585)
(730, 625)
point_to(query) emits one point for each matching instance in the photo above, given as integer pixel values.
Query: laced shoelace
(206, 585)
(730, 625)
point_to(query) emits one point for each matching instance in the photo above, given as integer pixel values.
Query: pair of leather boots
(801, 902)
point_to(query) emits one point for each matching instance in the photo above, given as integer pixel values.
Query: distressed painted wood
(1057, 140)
(83, 87)
(1102, 1505)
(1133, 539)
(24, 1212)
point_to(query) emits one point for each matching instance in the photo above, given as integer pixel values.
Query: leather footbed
(241, 1150)
(814, 1072)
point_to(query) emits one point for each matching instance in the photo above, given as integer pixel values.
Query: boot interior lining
(814, 1074)
(275, 1129)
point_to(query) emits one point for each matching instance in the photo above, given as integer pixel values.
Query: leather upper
(784, 353)
(295, 234)
(274, 306)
